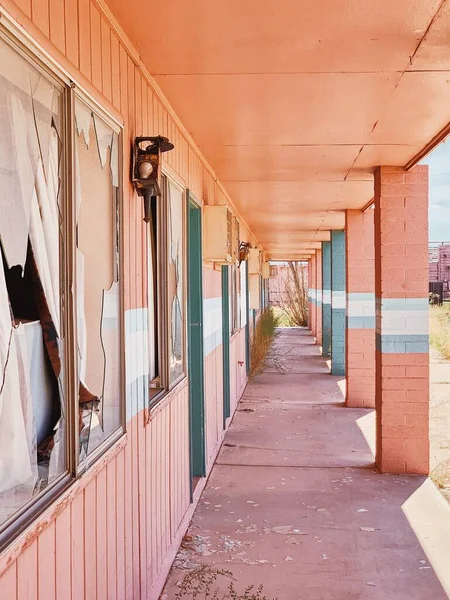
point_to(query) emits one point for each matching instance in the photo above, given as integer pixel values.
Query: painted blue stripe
(402, 344)
(402, 304)
(361, 296)
(366, 322)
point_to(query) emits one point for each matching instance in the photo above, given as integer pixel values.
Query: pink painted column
(311, 294)
(401, 290)
(319, 297)
(360, 338)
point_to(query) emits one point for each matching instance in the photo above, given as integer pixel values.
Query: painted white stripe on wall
(212, 324)
(402, 323)
(361, 305)
(338, 299)
(402, 316)
(326, 297)
(136, 360)
(136, 344)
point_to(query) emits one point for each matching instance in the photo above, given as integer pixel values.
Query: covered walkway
(294, 501)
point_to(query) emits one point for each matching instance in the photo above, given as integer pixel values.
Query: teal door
(226, 342)
(195, 339)
(247, 324)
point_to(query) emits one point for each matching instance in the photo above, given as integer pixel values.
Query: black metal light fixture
(244, 249)
(146, 168)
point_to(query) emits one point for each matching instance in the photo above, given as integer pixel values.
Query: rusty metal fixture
(146, 168)
(244, 248)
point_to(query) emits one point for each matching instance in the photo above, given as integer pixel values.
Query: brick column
(326, 299)
(312, 299)
(319, 297)
(338, 302)
(360, 339)
(401, 290)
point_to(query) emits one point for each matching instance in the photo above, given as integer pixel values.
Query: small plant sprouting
(200, 584)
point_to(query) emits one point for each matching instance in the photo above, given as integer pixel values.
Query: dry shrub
(440, 329)
(293, 298)
(201, 583)
(265, 333)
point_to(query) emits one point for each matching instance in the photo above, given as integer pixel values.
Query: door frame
(247, 324)
(197, 433)
(226, 342)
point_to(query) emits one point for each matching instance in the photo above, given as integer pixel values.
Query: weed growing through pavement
(201, 584)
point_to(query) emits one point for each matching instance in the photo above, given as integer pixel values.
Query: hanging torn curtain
(32, 408)
(32, 345)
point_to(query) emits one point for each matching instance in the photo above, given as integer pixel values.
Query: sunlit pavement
(295, 503)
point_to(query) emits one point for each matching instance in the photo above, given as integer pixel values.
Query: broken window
(32, 390)
(234, 282)
(50, 231)
(243, 287)
(175, 279)
(165, 274)
(98, 296)
(153, 231)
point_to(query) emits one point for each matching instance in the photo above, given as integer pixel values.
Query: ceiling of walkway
(295, 103)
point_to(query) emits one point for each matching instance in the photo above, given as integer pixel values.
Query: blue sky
(439, 211)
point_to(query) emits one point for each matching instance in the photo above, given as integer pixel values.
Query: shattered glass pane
(104, 136)
(98, 296)
(175, 276)
(83, 118)
(31, 347)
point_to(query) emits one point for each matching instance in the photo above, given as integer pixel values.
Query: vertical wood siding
(116, 537)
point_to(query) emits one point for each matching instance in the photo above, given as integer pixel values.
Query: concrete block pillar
(401, 291)
(338, 303)
(326, 299)
(360, 338)
(319, 297)
(312, 281)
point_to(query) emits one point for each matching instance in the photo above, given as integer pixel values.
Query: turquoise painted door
(247, 324)
(195, 339)
(226, 342)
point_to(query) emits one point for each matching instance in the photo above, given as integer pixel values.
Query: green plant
(262, 339)
(201, 583)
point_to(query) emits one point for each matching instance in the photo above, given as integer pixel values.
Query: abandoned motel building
(156, 161)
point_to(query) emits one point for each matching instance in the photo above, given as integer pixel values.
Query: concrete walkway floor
(294, 502)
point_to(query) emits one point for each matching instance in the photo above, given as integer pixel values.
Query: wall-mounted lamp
(244, 249)
(146, 168)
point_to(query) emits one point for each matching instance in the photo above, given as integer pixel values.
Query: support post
(319, 297)
(401, 290)
(326, 299)
(338, 302)
(360, 338)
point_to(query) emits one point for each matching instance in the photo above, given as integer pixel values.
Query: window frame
(26, 47)
(235, 316)
(113, 438)
(163, 322)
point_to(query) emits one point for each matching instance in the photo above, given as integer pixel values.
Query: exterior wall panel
(115, 532)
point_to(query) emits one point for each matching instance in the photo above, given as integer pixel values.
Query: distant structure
(277, 283)
(439, 267)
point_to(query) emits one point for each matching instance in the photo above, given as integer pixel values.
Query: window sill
(236, 333)
(164, 399)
